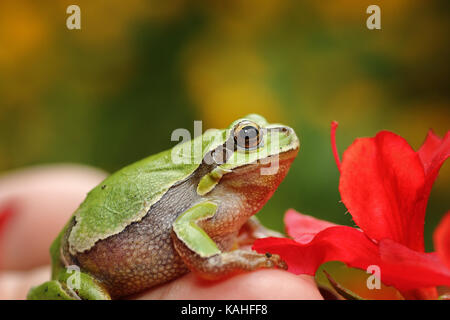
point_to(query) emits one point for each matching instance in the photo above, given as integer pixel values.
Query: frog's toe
(87, 288)
(282, 265)
(51, 290)
(274, 260)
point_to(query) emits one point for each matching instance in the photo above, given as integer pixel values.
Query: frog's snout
(288, 131)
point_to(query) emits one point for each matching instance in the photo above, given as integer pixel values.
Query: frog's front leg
(69, 286)
(201, 254)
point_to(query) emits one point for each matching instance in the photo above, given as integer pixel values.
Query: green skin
(158, 219)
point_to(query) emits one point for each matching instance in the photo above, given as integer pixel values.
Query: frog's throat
(209, 181)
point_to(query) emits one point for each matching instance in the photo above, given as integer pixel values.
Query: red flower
(385, 185)
(6, 214)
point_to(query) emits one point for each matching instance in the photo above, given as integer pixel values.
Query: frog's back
(125, 196)
(122, 198)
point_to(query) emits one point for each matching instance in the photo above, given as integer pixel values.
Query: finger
(257, 285)
(261, 284)
(43, 198)
(15, 285)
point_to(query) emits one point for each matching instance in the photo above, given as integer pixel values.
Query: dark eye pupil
(248, 133)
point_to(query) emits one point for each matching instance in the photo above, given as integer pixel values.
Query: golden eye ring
(248, 135)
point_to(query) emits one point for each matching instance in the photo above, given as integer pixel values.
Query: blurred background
(112, 92)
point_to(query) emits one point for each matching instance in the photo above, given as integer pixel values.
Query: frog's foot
(78, 286)
(226, 263)
(252, 230)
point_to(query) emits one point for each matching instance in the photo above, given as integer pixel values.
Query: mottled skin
(147, 253)
(152, 251)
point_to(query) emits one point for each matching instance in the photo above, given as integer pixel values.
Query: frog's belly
(134, 260)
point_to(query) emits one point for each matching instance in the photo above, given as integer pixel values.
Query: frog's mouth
(269, 165)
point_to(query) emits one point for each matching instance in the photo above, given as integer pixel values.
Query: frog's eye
(247, 135)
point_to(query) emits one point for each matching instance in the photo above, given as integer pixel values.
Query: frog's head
(253, 160)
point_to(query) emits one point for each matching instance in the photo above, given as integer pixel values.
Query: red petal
(441, 239)
(407, 269)
(400, 266)
(341, 243)
(6, 214)
(334, 126)
(433, 154)
(428, 148)
(382, 181)
(434, 151)
(302, 227)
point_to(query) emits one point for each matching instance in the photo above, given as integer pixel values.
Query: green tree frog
(185, 209)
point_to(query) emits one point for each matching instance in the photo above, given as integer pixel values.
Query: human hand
(43, 198)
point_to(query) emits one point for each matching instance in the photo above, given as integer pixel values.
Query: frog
(187, 209)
